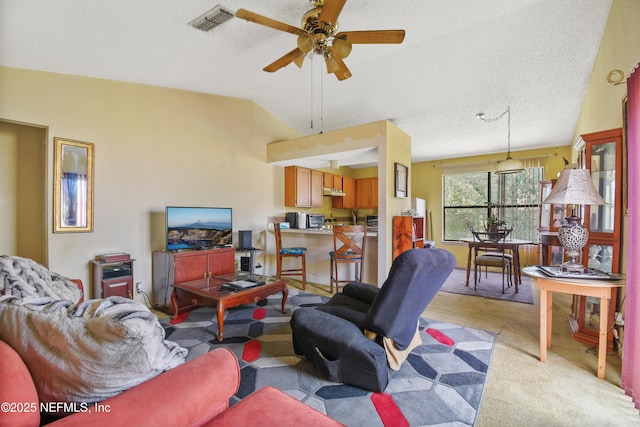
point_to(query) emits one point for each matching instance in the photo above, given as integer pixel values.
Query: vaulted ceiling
(458, 58)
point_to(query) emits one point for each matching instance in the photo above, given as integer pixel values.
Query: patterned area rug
(442, 381)
(489, 286)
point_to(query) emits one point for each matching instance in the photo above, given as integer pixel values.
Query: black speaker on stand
(244, 239)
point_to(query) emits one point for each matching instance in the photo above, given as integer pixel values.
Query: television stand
(176, 267)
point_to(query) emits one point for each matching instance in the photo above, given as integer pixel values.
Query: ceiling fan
(318, 35)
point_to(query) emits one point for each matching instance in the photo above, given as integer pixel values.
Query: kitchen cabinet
(367, 193)
(303, 187)
(348, 201)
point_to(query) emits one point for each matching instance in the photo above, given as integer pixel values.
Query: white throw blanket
(23, 277)
(86, 352)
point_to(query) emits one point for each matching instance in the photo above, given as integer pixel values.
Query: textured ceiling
(458, 58)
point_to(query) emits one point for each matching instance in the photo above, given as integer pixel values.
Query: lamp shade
(509, 165)
(574, 187)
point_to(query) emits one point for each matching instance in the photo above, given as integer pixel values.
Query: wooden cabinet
(348, 201)
(367, 193)
(176, 267)
(603, 157)
(408, 233)
(112, 278)
(302, 187)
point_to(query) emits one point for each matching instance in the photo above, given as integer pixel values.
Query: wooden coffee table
(220, 292)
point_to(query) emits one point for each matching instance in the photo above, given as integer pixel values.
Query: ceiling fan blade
(342, 73)
(373, 36)
(285, 60)
(330, 11)
(268, 22)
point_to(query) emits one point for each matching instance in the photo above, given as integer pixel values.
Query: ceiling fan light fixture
(342, 47)
(332, 64)
(212, 18)
(304, 43)
(298, 58)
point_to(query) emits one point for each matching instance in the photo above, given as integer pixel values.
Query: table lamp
(574, 187)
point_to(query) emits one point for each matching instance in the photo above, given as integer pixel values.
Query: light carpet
(441, 383)
(489, 286)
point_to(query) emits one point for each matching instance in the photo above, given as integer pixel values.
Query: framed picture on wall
(401, 180)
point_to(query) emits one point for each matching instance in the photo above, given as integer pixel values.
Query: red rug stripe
(440, 337)
(179, 319)
(251, 351)
(390, 414)
(259, 313)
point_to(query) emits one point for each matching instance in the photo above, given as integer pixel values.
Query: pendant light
(508, 165)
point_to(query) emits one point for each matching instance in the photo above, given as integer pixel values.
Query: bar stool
(348, 248)
(291, 252)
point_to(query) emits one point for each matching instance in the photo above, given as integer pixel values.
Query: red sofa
(195, 393)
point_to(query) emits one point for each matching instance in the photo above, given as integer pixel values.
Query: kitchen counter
(323, 231)
(319, 242)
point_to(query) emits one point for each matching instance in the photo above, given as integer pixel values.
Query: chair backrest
(414, 279)
(349, 241)
(276, 230)
(490, 241)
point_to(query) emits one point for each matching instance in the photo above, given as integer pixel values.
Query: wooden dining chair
(348, 248)
(289, 252)
(490, 252)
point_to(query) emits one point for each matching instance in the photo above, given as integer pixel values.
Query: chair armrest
(81, 287)
(361, 291)
(339, 349)
(188, 395)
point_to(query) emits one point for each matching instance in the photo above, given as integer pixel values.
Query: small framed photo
(401, 180)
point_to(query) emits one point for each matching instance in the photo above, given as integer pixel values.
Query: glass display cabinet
(551, 216)
(603, 156)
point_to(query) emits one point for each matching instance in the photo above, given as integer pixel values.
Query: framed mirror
(72, 186)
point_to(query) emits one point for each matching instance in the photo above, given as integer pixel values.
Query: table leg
(220, 313)
(285, 294)
(549, 317)
(468, 266)
(543, 325)
(602, 340)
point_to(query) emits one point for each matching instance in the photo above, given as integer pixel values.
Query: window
(469, 198)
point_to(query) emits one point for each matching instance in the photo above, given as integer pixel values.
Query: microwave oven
(315, 221)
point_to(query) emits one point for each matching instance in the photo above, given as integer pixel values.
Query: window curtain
(525, 221)
(631, 347)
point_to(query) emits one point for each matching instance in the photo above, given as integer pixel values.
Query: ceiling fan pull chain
(321, 102)
(311, 88)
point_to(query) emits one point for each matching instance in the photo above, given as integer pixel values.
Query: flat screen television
(198, 227)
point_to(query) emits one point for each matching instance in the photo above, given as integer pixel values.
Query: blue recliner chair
(332, 335)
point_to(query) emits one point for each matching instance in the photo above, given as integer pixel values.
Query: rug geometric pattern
(441, 382)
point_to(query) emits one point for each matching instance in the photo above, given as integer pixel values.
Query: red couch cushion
(17, 393)
(271, 407)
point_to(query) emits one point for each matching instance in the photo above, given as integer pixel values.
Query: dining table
(512, 245)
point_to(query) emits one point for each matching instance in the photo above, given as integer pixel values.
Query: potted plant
(494, 224)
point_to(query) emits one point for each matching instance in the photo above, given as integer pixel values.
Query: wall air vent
(211, 19)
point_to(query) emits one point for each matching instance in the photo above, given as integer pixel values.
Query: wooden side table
(587, 287)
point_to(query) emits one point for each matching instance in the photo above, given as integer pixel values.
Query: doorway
(23, 194)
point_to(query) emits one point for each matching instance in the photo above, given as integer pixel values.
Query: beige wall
(153, 147)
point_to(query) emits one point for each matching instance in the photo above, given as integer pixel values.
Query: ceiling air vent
(211, 19)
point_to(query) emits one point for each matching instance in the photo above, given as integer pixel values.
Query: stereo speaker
(244, 237)
(245, 263)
